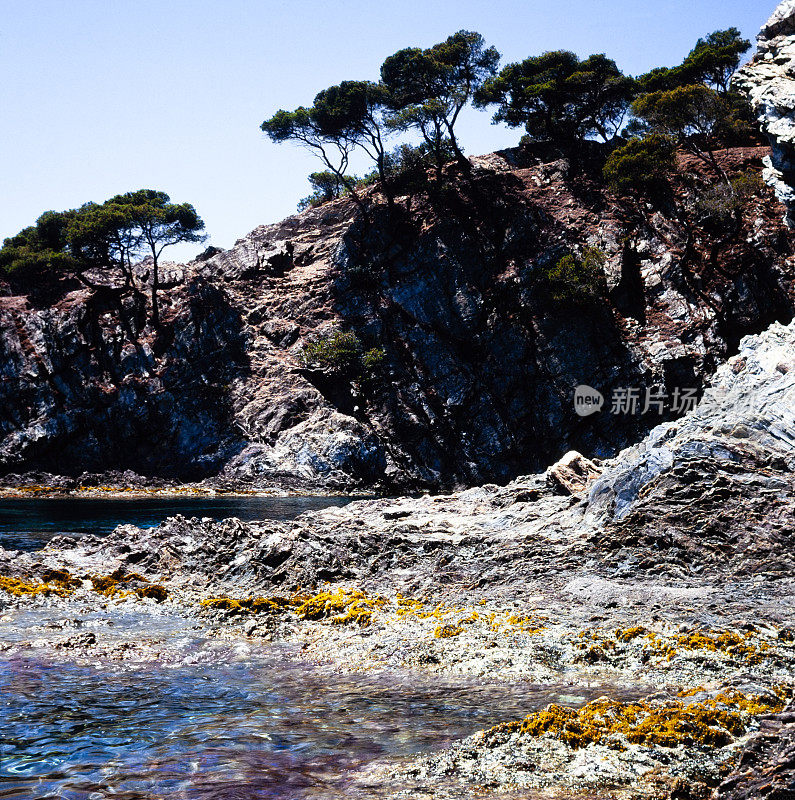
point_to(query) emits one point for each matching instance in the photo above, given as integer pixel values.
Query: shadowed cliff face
(86, 388)
(480, 359)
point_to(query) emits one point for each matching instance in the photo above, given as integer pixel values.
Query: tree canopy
(556, 96)
(690, 115)
(104, 241)
(712, 62)
(428, 89)
(641, 166)
(423, 90)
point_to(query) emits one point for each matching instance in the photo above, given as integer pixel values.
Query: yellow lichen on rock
(118, 584)
(20, 588)
(628, 634)
(712, 722)
(447, 631)
(747, 647)
(342, 606)
(253, 605)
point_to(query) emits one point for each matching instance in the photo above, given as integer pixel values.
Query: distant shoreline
(34, 492)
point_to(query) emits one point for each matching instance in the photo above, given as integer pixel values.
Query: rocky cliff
(658, 583)
(477, 358)
(769, 82)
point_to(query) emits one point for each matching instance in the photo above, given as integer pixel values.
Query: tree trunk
(385, 187)
(155, 287)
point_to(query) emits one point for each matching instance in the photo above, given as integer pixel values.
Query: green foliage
(406, 158)
(712, 62)
(356, 112)
(556, 96)
(302, 126)
(695, 116)
(715, 59)
(157, 223)
(326, 186)
(577, 280)
(429, 88)
(373, 360)
(717, 204)
(342, 353)
(641, 166)
(336, 352)
(105, 238)
(682, 112)
(407, 166)
(37, 250)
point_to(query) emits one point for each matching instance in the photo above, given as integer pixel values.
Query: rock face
(769, 82)
(767, 764)
(477, 363)
(669, 568)
(710, 495)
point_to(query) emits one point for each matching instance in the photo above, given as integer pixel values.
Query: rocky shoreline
(665, 573)
(653, 588)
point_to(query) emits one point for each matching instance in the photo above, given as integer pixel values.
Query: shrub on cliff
(696, 117)
(342, 353)
(577, 280)
(336, 352)
(641, 166)
(326, 186)
(716, 205)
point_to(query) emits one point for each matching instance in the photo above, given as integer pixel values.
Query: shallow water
(30, 523)
(218, 719)
(186, 715)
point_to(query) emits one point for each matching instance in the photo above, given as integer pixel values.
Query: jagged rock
(711, 493)
(479, 365)
(573, 472)
(766, 766)
(769, 82)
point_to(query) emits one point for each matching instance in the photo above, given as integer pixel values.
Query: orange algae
(343, 606)
(447, 631)
(119, 582)
(20, 588)
(746, 646)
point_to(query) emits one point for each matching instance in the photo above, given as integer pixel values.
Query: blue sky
(105, 96)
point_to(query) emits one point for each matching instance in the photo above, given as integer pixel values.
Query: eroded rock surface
(769, 82)
(479, 364)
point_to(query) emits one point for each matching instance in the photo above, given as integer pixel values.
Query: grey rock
(478, 372)
(769, 82)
